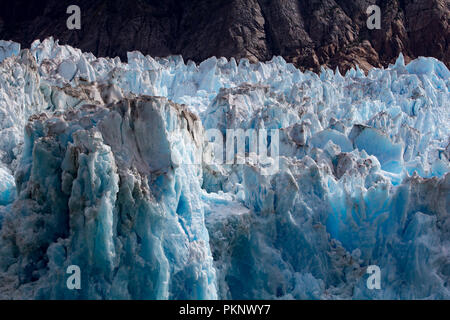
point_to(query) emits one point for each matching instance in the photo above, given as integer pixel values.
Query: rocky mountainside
(309, 33)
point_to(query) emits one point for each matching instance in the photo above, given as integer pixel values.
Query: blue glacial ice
(7, 187)
(8, 49)
(102, 165)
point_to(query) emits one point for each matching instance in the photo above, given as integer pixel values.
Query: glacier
(104, 165)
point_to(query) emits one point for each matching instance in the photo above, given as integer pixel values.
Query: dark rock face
(309, 33)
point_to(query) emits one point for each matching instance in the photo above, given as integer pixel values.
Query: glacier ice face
(110, 174)
(108, 199)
